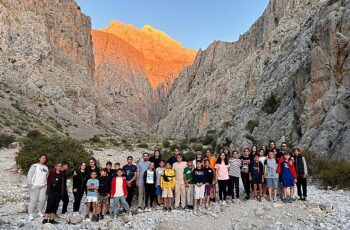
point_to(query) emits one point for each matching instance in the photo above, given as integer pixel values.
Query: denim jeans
(116, 204)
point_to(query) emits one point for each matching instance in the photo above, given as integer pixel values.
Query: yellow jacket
(170, 182)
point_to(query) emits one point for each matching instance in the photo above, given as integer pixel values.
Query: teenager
(92, 186)
(222, 176)
(208, 182)
(189, 184)
(55, 188)
(159, 172)
(262, 159)
(253, 151)
(167, 183)
(199, 157)
(288, 177)
(119, 192)
(172, 159)
(180, 189)
(234, 173)
(199, 178)
(103, 193)
(37, 181)
(110, 170)
(301, 171)
(142, 166)
(272, 147)
(212, 160)
(245, 164)
(226, 151)
(256, 175)
(130, 171)
(65, 197)
(149, 181)
(271, 175)
(156, 158)
(79, 186)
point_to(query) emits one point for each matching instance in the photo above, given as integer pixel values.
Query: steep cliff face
(287, 78)
(46, 67)
(164, 57)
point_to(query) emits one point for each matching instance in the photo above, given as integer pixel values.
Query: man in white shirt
(37, 181)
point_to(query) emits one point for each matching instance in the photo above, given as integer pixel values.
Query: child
(103, 193)
(199, 178)
(119, 192)
(256, 175)
(301, 170)
(55, 186)
(189, 184)
(149, 180)
(288, 176)
(159, 172)
(262, 159)
(92, 186)
(234, 173)
(116, 166)
(208, 181)
(271, 176)
(167, 183)
(246, 160)
(222, 167)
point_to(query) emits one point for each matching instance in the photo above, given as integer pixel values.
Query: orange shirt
(212, 161)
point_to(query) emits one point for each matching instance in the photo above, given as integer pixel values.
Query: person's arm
(30, 174)
(305, 167)
(138, 175)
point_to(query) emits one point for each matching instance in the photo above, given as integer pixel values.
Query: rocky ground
(324, 209)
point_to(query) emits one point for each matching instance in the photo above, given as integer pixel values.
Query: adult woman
(92, 168)
(79, 186)
(156, 158)
(37, 180)
(222, 176)
(199, 157)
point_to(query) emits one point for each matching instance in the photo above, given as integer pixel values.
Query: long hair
(219, 160)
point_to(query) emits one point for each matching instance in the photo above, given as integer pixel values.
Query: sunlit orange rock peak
(164, 57)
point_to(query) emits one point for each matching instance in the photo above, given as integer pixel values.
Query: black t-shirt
(104, 184)
(245, 163)
(199, 175)
(129, 171)
(56, 184)
(210, 175)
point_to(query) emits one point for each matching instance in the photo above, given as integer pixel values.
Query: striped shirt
(235, 167)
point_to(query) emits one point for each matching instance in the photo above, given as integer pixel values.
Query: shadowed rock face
(288, 75)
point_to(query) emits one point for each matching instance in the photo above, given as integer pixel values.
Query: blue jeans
(116, 204)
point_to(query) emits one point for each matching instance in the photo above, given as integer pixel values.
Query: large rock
(75, 219)
(21, 208)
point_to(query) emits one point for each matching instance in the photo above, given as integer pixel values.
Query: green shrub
(174, 146)
(271, 104)
(197, 147)
(96, 139)
(166, 155)
(34, 134)
(251, 125)
(166, 144)
(56, 148)
(143, 145)
(190, 155)
(208, 139)
(5, 140)
(183, 144)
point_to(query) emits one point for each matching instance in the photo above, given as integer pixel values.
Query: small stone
(48, 226)
(20, 224)
(326, 207)
(21, 208)
(75, 219)
(13, 145)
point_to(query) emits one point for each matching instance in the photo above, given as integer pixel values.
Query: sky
(195, 23)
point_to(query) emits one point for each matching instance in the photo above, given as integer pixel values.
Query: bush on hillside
(166, 144)
(143, 145)
(271, 104)
(5, 140)
(56, 148)
(197, 147)
(174, 146)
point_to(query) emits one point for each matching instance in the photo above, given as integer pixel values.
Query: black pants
(150, 191)
(65, 200)
(246, 183)
(223, 189)
(131, 192)
(53, 201)
(234, 186)
(301, 185)
(78, 195)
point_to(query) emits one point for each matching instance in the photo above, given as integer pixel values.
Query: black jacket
(145, 177)
(79, 181)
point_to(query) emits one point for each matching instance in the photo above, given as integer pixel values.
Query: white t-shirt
(40, 176)
(118, 187)
(150, 177)
(262, 160)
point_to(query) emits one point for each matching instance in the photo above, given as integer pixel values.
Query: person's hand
(75, 190)
(128, 183)
(295, 180)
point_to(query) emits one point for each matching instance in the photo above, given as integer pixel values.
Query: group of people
(176, 182)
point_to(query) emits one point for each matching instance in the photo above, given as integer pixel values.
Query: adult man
(37, 181)
(65, 197)
(180, 188)
(172, 159)
(130, 170)
(142, 166)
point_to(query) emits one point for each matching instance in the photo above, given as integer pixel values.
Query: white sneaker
(31, 217)
(223, 202)
(40, 214)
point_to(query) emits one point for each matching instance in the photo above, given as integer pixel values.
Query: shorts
(158, 190)
(256, 180)
(103, 198)
(90, 199)
(167, 193)
(287, 182)
(272, 183)
(208, 188)
(199, 191)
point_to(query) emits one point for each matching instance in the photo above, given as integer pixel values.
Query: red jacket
(291, 167)
(113, 187)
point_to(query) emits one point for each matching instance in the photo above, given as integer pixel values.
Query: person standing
(118, 193)
(159, 173)
(212, 160)
(199, 178)
(92, 186)
(130, 170)
(65, 197)
(234, 173)
(222, 176)
(189, 184)
(142, 166)
(301, 170)
(288, 176)
(55, 186)
(271, 175)
(149, 181)
(256, 175)
(79, 186)
(156, 158)
(37, 181)
(167, 183)
(180, 189)
(208, 182)
(245, 161)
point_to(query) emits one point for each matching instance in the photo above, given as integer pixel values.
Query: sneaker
(224, 202)
(247, 197)
(139, 209)
(102, 217)
(285, 200)
(31, 217)
(291, 200)
(53, 222)
(115, 216)
(87, 216)
(169, 209)
(45, 221)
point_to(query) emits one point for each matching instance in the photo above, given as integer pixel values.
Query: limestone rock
(75, 219)
(327, 207)
(13, 145)
(21, 208)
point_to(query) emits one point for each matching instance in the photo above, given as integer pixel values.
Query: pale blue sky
(195, 23)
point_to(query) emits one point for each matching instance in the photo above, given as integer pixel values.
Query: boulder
(75, 219)
(327, 207)
(21, 208)
(48, 226)
(13, 145)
